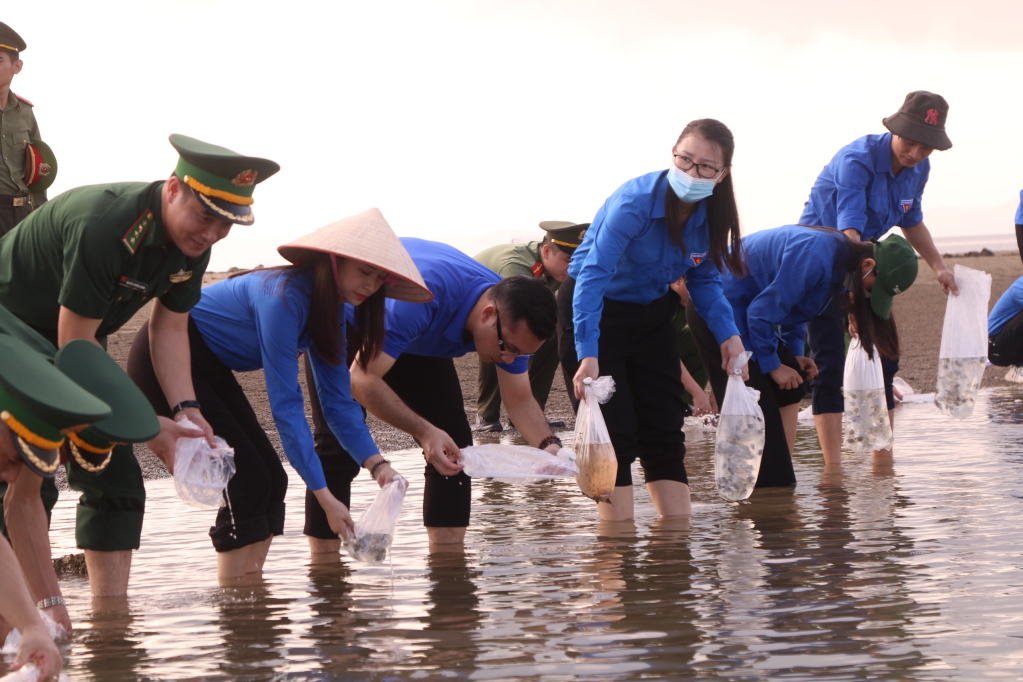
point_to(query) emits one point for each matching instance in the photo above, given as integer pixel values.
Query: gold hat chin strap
(45, 467)
(86, 464)
(560, 243)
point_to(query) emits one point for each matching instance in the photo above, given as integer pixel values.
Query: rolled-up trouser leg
(112, 504)
(489, 403)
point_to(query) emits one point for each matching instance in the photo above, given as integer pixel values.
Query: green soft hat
(896, 271)
(37, 400)
(223, 180)
(133, 419)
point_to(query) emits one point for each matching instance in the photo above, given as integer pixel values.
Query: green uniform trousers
(542, 368)
(110, 509)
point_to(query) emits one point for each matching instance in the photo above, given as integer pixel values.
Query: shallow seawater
(909, 571)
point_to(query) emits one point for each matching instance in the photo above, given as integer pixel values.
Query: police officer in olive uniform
(18, 128)
(83, 264)
(548, 259)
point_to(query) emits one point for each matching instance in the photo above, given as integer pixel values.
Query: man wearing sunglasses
(413, 386)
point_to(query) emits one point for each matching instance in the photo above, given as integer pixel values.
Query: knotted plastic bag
(374, 531)
(201, 473)
(739, 444)
(594, 454)
(517, 463)
(963, 354)
(865, 426)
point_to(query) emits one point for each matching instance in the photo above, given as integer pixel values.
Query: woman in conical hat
(266, 319)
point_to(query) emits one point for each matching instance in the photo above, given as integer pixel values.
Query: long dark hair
(874, 331)
(722, 213)
(325, 326)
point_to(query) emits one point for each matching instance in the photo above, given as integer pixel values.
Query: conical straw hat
(368, 238)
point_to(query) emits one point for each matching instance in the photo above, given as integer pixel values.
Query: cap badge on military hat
(38, 401)
(222, 180)
(565, 234)
(133, 419)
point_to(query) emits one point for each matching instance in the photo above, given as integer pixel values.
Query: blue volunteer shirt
(627, 255)
(793, 272)
(1019, 209)
(1008, 306)
(437, 329)
(255, 321)
(857, 190)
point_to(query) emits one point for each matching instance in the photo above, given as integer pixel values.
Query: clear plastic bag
(374, 531)
(201, 473)
(57, 633)
(739, 444)
(517, 463)
(865, 425)
(963, 354)
(594, 454)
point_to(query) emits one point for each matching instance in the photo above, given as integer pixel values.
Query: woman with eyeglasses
(264, 319)
(792, 274)
(616, 308)
(870, 186)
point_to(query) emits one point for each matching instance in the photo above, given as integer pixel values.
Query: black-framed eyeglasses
(500, 341)
(684, 163)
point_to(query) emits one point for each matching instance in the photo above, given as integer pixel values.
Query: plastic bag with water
(517, 463)
(374, 531)
(594, 454)
(29, 673)
(201, 473)
(865, 425)
(963, 354)
(739, 444)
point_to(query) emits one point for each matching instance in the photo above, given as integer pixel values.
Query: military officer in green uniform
(18, 128)
(548, 259)
(84, 263)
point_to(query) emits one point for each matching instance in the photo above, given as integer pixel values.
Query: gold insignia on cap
(581, 235)
(181, 276)
(44, 169)
(247, 178)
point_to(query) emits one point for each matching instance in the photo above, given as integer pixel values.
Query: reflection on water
(908, 570)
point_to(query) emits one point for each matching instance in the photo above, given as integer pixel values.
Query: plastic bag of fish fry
(201, 473)
(963, 354)
(739, 444)
(594, 454)
(374, 531)
(517, 463)
(865, 425)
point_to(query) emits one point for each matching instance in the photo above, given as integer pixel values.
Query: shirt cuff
(585, 349)
(768, 363)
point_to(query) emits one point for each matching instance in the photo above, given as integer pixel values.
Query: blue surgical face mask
(687, 188)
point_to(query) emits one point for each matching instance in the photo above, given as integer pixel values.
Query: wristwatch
(51, 601)
(183, 404)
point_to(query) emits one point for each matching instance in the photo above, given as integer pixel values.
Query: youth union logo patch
(698, 258)
(906, 204)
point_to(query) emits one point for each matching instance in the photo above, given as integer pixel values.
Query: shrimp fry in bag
(595, 456)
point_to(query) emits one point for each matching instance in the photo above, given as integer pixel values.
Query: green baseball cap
(896, 271)
(133, 419)
(222, 180)
(37, 401)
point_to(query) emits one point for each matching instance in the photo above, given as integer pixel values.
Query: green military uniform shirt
(17, 127)
(509, 260)
(100, 251)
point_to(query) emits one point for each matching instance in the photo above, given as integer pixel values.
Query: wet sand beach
(919, 313)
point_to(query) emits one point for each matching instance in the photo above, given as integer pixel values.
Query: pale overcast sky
(484, 118)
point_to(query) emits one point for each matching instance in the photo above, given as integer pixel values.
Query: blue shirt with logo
(1008, 306)
(792, 273)
(857, 190)
(437, 328)
(627, 255)
(260, 321)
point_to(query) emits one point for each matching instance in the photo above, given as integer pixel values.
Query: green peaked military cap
(40, 165)
(133, 419)
(567, 235)
(10, 40)
(223, 180)
(897, 268)
(37, 400)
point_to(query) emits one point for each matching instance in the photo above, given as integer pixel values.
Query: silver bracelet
(51, 601)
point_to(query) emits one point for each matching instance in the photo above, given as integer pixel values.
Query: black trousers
(12, 215)
(429, 387)
(1005, 348)
(638, 347)
(257, 489)
(776, 465)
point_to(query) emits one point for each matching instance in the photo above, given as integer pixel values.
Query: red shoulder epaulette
(537, 270)
(24, 100)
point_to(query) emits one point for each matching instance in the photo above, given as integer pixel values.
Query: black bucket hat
(921, 118)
